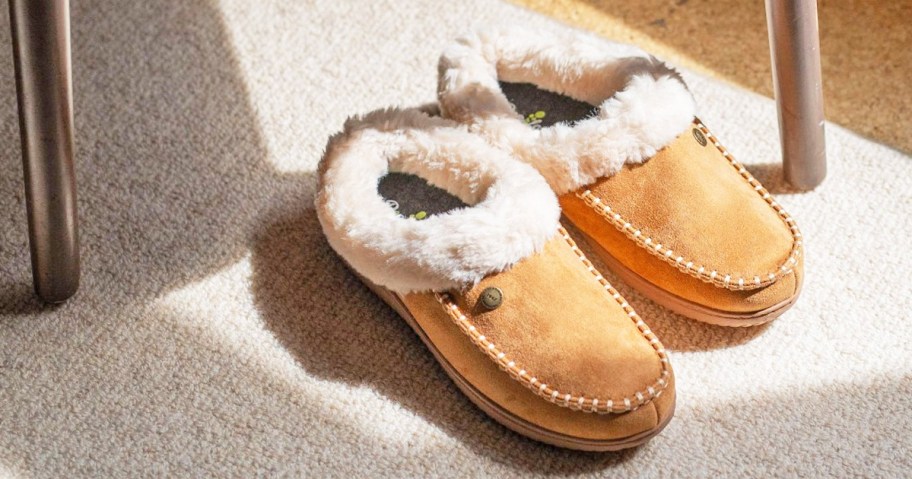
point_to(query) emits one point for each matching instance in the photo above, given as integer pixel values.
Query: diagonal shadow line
(172, 168)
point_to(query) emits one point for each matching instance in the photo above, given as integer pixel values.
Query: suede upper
(707, 213)
(560, 331)
(564, 327)
(654, 189)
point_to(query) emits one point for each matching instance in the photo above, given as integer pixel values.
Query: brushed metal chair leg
(795, 52)
(41, 50)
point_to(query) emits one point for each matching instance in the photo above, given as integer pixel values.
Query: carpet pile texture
(216, 333)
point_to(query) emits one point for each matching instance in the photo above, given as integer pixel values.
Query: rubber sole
(688, 308)
(502, 415)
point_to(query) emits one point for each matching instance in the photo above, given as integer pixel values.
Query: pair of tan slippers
(452, 214)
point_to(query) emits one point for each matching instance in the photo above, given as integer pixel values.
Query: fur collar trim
(642, 103)
(513, 212)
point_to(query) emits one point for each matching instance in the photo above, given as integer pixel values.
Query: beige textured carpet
(217, 335)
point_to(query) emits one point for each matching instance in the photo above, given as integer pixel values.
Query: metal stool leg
(795, 52)
(41, 50)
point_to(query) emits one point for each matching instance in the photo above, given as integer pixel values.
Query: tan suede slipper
(464, 243)
(614, 132)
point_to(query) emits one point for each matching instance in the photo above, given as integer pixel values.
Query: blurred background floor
(866, 49)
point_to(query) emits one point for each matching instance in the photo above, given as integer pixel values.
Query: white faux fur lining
(642, 103)
(513, 212)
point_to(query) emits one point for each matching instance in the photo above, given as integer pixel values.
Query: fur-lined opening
(512, 212)
(642, 103)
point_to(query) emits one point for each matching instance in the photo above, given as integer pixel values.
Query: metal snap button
(491, 298)
(699, 136)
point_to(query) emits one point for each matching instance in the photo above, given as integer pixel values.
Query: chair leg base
(41, 53)
(795, 53)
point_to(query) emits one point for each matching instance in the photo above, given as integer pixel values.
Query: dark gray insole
(414, 197)
(543, 108)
